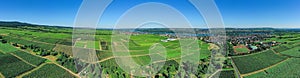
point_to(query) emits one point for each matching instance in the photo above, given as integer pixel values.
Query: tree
(4, 41)
(23, 47)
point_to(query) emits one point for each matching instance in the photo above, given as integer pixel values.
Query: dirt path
(77, 76)
(23, 60)
(51, 62)
(236, 69)
(1, 76)
(100, 46)
(264, 68)
(28, 72)
(219, 70)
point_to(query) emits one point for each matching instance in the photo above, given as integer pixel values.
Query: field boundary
(76, 75)
(254, 72)
(23, 60)
(250, 54)
(236, 69)
(28, 72)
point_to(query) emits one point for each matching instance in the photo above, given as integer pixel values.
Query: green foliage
(50, 71)
(67, 62)
(11, 66)
(254, 62)
(30, 58)
(29, 43)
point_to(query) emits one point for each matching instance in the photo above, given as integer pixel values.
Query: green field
(11, 66)
(294, 52)
(30, 58)
(227, 74)
(50, 71)
(6, 48)
(242, 50)
(254, 62)
(287, 69)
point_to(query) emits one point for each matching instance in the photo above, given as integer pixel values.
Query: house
(253, 48)
(169, 39)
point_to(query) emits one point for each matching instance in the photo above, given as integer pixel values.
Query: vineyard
(251, 63)
(281, 48)
(50, 71)
(294, 52)
(29, 43)
(30, 58)
(290, 66)
(11, 66)
(227, 74)
(6, 48)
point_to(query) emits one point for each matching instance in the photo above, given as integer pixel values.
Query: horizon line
(149, 27)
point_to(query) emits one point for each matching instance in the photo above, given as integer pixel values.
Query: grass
(241, 49)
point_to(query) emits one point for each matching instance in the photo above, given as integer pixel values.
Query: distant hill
(20, 24)
(14, 23)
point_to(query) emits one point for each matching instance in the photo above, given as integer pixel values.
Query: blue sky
(235, 13)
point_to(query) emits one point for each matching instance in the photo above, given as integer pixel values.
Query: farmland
(6, 48)
(227, 74)
(36, 51)
(30, 58)
(254, 62)
(11, 66)
(291, 66)
(294, 52)
(50, 70)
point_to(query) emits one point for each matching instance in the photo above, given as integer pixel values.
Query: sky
(235, 13)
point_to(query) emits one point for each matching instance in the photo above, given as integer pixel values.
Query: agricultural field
(35, 60)
(254, 62)
(294, 52)
(281, 48)
(7, 48)
(36, 51)
(286, 69)
(227, 74)
(49, 71)
(11, 66)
